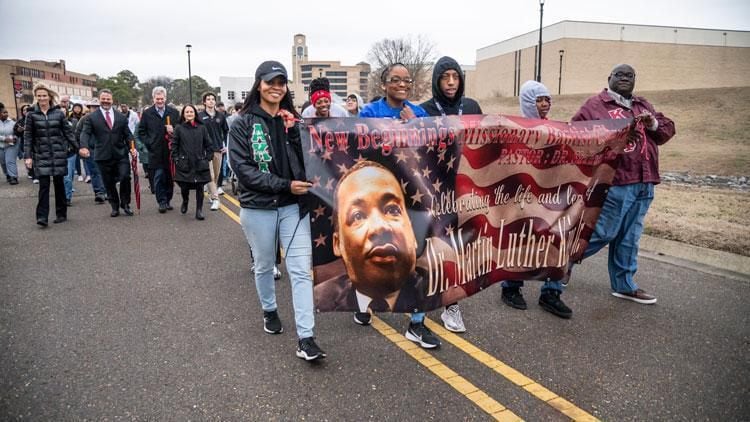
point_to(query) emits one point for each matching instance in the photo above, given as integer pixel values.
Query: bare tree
(418, 56)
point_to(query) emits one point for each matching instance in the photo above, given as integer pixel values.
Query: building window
(300, 51)
(244, 94)
(364, 73)
(307, 74)
(338, 87)
(27, 84)
(25, 71)
(335, 73)
(337, 80)
(230, 95)
(341, 93)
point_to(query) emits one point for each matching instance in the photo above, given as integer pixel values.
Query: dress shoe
(42, 222)
(13, 181)
(99, 199)
(199, 214)
(59, 220)
(114, 213)
(69, 203)
(169, 207)
(162, 208)
(183, 207)
(127, 211)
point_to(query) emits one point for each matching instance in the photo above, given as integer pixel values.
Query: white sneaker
(452, 320)
(276, 273)
(36, 181)
(215, 204)
(80, 178)
(220, 191)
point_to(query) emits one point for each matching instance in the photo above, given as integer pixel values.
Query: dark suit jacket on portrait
(338, 294)
(107, 144)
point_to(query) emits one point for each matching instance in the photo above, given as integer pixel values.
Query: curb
(720, 262)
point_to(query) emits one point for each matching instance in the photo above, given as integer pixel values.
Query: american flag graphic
(490, 197)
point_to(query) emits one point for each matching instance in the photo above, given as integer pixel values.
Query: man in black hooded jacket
(448, 99)
(448, 91)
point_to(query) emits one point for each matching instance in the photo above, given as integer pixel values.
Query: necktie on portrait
(109, 119)
(379, 305)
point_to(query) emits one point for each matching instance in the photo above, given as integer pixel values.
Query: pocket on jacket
(181, 163)
(202, 165)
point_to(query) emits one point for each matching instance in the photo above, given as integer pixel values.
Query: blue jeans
(263, 230)
(97, 184)
(8, 160)
(620, 226)
(69, 176)
(163, 185)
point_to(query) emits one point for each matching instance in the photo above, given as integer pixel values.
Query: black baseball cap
(269, 70)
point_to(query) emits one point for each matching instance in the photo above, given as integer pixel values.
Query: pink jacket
(642, 164)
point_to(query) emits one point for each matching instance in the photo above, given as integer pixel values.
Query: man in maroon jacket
(620, 223)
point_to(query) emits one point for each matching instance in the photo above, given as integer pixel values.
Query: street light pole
(559, 78)
(539, 62)
(190, 75)
(15, 99)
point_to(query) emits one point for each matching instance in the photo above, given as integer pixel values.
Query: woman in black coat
(48, 138)
(191, 152)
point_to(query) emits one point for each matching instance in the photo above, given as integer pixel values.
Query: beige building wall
(586, 63)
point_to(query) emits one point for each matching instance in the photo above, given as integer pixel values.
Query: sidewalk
(701, 259)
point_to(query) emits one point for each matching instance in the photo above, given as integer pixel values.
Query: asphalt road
(155, 317)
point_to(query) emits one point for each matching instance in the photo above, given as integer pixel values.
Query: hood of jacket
(443, 64)
(530, 90)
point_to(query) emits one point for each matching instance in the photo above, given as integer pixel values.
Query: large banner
(411, 216)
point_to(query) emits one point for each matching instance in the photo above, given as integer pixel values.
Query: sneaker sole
(411, 337)
(302, 355)
(363, 323)
(273, 332)
(554, 311)
(634, 299)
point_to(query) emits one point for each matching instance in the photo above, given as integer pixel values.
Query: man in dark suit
(155, 130)
(107, 133)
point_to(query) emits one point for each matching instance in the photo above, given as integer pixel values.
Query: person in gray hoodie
(536, 102)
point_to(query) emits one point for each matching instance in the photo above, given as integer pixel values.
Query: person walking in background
(216, 124)
(265, 152)
(107, 131)
(155, 131)
(620, 223)
(448, 99)
(536, 102)
(73, 118)
(131, 115)
(8, 147)
(48, 138)
(354, 104)
(321, 103)
(192, 150)
(397, 83)
(18, 131)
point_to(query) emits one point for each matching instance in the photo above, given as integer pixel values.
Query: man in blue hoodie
(448, 99)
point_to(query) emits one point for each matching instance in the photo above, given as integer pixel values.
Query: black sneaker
(550, 301)
(308, 350)
(420, 334)
(362, 318)
(272, 323)
(162, 208)
(513, 297)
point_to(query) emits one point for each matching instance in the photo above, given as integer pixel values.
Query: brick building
(26, 74)
(578, 56)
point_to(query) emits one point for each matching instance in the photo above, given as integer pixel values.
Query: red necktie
(109, 120)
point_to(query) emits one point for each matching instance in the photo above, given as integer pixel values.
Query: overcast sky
(231, 37)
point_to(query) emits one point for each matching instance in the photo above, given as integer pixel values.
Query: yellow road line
(537, 390)
(459, 383)
(231, 199)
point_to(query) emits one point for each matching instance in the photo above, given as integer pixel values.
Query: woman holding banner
(266, 154)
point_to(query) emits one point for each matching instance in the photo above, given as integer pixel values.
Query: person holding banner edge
(448, 99)
(266, 154)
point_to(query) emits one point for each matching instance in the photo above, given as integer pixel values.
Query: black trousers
(185, 189)
(42, 206)
(114, 171)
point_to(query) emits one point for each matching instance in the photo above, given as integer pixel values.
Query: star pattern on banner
(327, 155)
(437, 185)
(320, 211)
(401, 156)
(329, 185)
(449, 230)
(320, 240)
(417, 197)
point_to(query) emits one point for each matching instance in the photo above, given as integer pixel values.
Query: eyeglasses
(397, 81)
(620, 75)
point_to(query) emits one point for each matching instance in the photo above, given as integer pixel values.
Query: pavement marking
(231, 199)
(535, 389)
(459, 383)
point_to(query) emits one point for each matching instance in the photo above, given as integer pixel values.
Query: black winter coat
(191, 150)
(47, 141)
(152, 131)
(266, 184)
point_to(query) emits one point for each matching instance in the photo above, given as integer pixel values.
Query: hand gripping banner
(411, 216)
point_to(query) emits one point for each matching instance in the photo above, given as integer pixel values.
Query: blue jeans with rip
(620, 226)
(264, 229)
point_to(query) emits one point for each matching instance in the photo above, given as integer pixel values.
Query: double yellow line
(481, 399)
